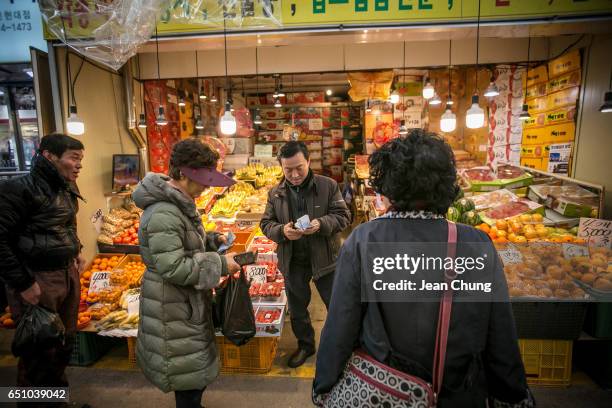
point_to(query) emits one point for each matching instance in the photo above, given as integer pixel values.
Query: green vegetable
(464, 205)
(453, 214)
(471, 218)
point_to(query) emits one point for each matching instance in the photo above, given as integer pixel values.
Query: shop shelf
(255, 357)
(89, 347)
(549, 320)
(598, 322)
(547, 362)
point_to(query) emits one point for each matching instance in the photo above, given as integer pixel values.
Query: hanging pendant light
(277, 103)
(280, 93)
(403, 130)
(524, 115)
(607, 105)
(199, 125)
(448, 121)
(202, 95)
(74, 124)
(492, 90)
(181, 102)
(368, 109)
(228, 121)
(257, 120)
(160, 120)
(475, 117)
(428, 90)
(142, 119)
(142, 122)
(394, 97)
(435, 100)
(161, 117)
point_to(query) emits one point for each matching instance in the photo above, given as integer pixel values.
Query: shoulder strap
(446, 303)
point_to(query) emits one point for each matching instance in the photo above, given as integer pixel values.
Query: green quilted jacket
(176, 347)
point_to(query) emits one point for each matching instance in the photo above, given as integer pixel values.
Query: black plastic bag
(38, 328)
(233, 310)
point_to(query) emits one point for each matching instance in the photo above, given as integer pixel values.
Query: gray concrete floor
(109, 384)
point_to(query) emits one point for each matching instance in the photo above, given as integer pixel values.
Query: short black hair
(292, 148)
(192, 153)
(58, 143)
(415, 172)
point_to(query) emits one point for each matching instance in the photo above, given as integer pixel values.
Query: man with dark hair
(304, 252)
(40, 250)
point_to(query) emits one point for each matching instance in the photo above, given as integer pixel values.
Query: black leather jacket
(37, 224)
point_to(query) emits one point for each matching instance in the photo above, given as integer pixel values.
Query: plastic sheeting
(370, 85)
(110, 31)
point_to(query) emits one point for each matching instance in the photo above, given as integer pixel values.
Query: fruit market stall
(110, 285)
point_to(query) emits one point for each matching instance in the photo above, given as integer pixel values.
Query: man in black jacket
(40, 250)
(304, 254)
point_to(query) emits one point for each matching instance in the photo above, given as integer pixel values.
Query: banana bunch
(118, 320)
(243, 187)
(246, 173)
(228, 205)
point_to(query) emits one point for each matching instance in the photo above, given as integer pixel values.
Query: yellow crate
(547, 362)
(255, 357)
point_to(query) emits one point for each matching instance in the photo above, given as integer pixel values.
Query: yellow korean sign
(549, 134)
(564, 64)
(564, 81)
(563, 98)
(537, 75)
(313, 12)
(208, 15)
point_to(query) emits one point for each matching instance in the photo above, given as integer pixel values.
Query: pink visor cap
(208, 176)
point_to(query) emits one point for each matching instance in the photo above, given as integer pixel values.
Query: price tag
(572, 251)
(596, 232)
(133, 304)
(99, 282)
(315, 124)
(96, 220)
(258, 273)
(262, 150)
(510, 255)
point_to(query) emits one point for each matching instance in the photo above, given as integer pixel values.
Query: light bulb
(213, 99)
(491, 90)
(329, 92)
(435, 100)
(448, 121)
(257, 120)
(280, 93)
(142, 122)
(203, 93)
(403, 130)
(199, 124)
(74, 124)
(277, 103)
(394, 97)
(161, 117)
(524, 115)
(228, 121)
(449, 101)
(475, 115)
(607, 106)
(428, 90)
(181, 101)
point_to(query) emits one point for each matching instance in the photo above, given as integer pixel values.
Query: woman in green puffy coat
(176, 347)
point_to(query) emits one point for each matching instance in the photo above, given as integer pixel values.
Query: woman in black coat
(416, 177)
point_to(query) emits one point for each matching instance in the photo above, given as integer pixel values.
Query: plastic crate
(255, 357)
(547, 362)
(598, 322)
(89, 347)
(549, 320)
